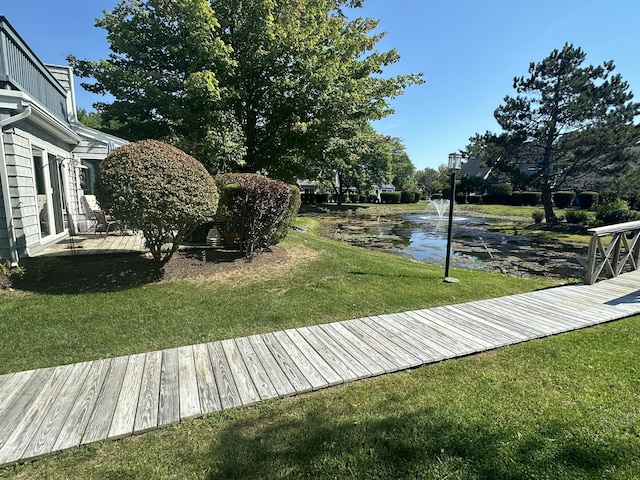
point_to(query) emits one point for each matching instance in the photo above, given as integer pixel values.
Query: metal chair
(106, 222)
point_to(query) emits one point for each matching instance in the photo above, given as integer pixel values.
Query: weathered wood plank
(45, 438)
(330, 376)
(474, 329)
(31, 418)
(207, 388)
(337, 362)
(148, 400)
(124, 415)
(169, 401)
(359, 342)
(458, 344)
(337, 335)
(256, 369)
(428, 336)
(391, 352)
(386, 325)
(20, 401)
(248, 393)
(76, 422)
(342, 351)
(188, 384)
(401, 336)
(440, 318)
(507, 323)
(307, 369)
(288, 366)
(100, 420)
(278, 378)
(11, 389)
(412, 336)
(229, 395)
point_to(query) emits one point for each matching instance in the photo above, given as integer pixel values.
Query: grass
(564, 407)
(338, 283)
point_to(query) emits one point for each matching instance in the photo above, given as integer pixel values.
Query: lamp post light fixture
(455, 164)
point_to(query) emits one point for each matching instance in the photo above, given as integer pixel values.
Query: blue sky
(468, 50)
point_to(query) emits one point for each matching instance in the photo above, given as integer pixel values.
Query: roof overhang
(17, 102)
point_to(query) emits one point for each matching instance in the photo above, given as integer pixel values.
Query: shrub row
(405, 197)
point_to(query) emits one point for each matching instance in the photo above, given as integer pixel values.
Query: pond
(427, 239)
(422, 237)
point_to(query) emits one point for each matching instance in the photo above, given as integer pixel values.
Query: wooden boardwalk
(51, 409)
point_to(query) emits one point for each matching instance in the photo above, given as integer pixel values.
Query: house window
(88, 176)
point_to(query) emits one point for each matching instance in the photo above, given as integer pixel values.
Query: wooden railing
(622, 254)
(21, 69)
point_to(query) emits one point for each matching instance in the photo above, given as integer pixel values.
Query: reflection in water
(428, 240)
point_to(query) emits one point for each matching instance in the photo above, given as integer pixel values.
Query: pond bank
(474, 245)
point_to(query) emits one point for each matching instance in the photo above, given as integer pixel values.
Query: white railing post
(622, 252)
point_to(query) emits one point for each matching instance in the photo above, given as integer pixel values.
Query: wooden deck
(47, 410)
(95, 243)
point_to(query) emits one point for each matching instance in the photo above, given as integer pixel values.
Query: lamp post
(455, 163)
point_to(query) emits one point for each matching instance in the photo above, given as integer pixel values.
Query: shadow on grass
(418, 445)
(115, 272)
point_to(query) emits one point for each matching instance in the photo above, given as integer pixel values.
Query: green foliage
(390, 197)
(531, 198)
(262, 84)
(430, 181)
(406, 197)
(588, 200)
(617, 211)
(7, 271)
(579, 217)
(566, 121)
(608, 207)
(322, 198)
(258, 209)
(159, 190)
(498, 194)
(538, 216)
(563, 199)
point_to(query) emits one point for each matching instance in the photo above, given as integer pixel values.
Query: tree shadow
(117, 271)
(421, 444)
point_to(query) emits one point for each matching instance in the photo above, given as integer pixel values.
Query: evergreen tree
(568, 121)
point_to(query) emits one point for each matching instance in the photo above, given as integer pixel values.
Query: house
(48, 160)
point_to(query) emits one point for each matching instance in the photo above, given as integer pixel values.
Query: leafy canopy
(242, 84)
(568, 125)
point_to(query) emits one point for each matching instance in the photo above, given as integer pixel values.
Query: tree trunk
(547, 202)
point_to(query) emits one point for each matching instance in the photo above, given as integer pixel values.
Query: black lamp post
(455, 163)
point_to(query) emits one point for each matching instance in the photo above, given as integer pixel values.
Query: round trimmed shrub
(406, 197)
(531, 199)
(159, 190)
(390, 197)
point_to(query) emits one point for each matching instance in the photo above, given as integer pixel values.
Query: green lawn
(565, 407)
(342, 282)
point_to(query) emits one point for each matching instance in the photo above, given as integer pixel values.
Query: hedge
(588, 200)
(390, 197)
(563, 199)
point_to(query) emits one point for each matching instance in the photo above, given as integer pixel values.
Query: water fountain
(441, 205)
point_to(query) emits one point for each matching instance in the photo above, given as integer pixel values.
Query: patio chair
(90, 213)
(106, 222)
